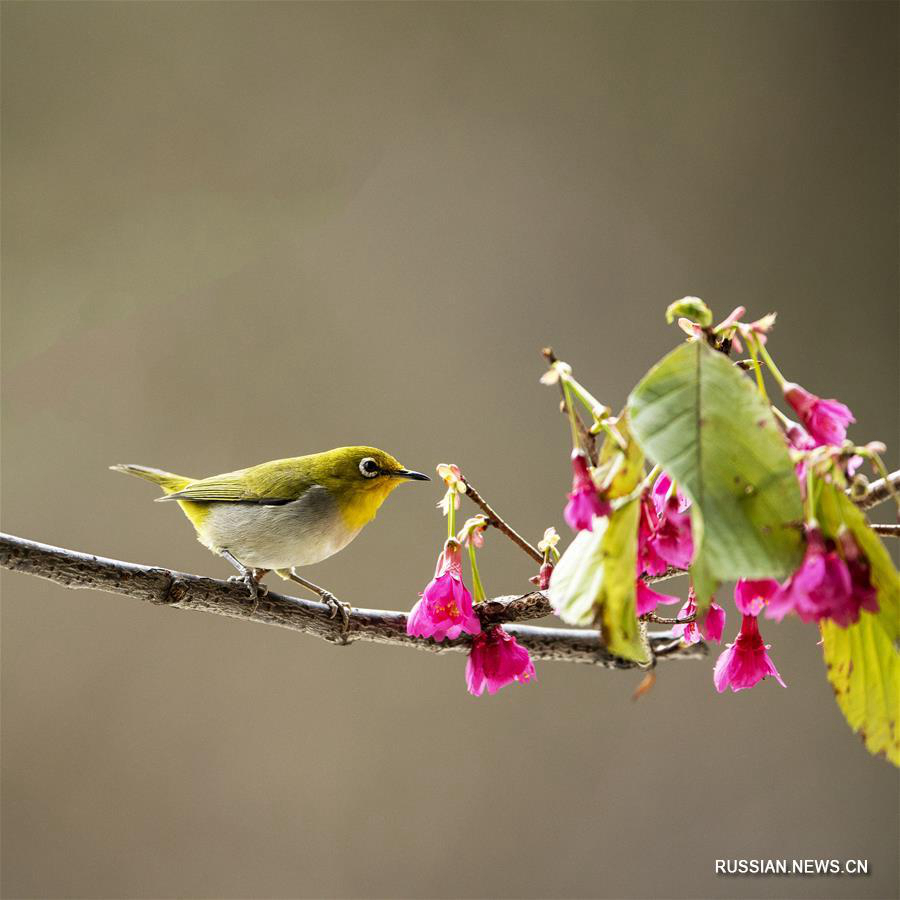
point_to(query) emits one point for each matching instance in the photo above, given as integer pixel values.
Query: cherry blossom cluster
(446, 609)
(833, 581)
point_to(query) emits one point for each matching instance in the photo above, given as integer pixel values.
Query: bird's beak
(408, 473)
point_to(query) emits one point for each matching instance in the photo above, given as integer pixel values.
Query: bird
(284, 514)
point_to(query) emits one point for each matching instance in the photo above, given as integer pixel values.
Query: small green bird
(286, 513)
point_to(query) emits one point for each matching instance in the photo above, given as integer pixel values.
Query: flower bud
(692, 308)
(549, 540)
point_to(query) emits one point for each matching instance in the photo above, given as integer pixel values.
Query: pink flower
(713, 624)
(851, 465)
(746, 661)
(798, 437)
(710, 628)
(444, 609)
(674, 542)
(827, 585)
(863, 592)
(647, 599)
(814, 588)
(584, 501)
(649, 560)
(542, 579)
(664, 530)
(472, 532)
(660, 491)
(825, 420)
(751, 596)
(496, 659)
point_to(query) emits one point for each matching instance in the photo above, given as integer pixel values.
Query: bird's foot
(336, 606)
(251, 579)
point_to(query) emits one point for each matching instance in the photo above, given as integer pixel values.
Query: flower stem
(785, 421)
(810, 496)
(613, 432)
(451, 516)
(591, 403)
(478, 587)
(761, 349)
(570, 411)
(751, 344)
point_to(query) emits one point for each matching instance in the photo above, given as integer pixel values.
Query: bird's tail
(166, 480)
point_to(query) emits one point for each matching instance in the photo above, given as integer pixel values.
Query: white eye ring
(368, 468)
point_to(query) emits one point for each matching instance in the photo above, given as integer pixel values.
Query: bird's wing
(267, 484)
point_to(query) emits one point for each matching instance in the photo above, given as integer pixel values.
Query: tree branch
(879, 491)
(494, 519)
(164, 587)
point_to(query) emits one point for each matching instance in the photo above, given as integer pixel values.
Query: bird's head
(360, 479)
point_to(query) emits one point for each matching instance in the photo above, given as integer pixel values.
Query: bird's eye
(368, 467)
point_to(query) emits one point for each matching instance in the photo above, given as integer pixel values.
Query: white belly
(278, 537)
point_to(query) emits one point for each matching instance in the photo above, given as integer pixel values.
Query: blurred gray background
(235, 232)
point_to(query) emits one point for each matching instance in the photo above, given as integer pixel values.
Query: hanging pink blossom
(444, 609)
(664, 530)
(495, 660)
(542, 579)
(584, 501)
(710, 628)
(661, 491)
(798, 437)
(826, 586)
(649, 560)
(825, 420)
(751, 596)
(647, 599)
(745, 662)
(713, 624)
(472, 532)
(674, 542)
(863, 592)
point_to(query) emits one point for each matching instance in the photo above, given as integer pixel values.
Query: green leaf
(622, 469)
(618, 615)
(578, 577)
(863, 660)
(705, 423)
(864, 670)
(835, 509)
(594, 581)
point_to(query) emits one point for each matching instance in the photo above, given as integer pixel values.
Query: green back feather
(288, 479)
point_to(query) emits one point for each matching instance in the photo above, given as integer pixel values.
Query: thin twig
(494, 519)
(671, 572)
(588, 439)
(668, 620)
(879, 491)
(165, 587)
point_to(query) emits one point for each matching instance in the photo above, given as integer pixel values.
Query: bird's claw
(336, 606)
(253, 585)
